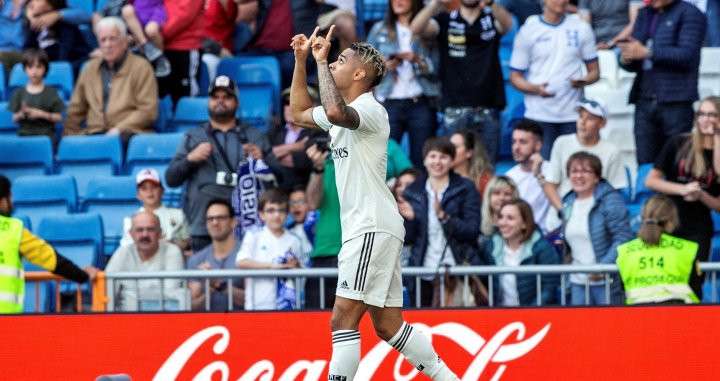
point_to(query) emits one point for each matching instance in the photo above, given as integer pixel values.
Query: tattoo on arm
(338, 112)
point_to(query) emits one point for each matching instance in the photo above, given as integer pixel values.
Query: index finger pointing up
(330, 33)
(315, 32)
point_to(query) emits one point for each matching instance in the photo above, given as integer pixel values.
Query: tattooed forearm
(338, 112)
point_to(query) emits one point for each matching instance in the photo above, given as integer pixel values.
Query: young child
(36, 107)
(270, 247)
(303, 220)
(172, 220)
(144, 19)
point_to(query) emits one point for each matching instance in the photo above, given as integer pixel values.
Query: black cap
(225, 83)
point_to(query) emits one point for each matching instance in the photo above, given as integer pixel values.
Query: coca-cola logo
(508, 344)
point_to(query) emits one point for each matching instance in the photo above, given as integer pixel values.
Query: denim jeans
(483, 121)
(418, 118)
(551, 131)
(596, 295)
(656, 123)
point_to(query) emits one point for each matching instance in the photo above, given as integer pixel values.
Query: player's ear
(360, 74)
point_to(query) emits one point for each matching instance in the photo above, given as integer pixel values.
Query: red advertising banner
(642, 343)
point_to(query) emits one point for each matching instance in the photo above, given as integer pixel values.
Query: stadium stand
(87, 157)
(59, 75)
(39, 196)
(3, 84)
(254, 71)
(189, 113)
(709, 83)
(30, 155)
(7, 126)
(78, 237)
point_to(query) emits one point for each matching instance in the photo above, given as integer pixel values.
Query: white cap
(593, 106)
(147, 174)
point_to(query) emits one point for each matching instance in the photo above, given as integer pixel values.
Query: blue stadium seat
(3, 84)
(99, 5)
(152, 149)
(59, 75)
(36, 296)
(189, 113)
(86, 5)
(113, 198)
(41, 196)
(77, 237)
(30, 155)
(627, 191)
(164, 116)
(88, 157)
(254, 70)
(642, 192)
(256, 105)
(7, 126)
(716, 222)
(501, 167)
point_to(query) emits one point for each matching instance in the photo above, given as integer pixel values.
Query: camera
(228, 179)
(323, 143)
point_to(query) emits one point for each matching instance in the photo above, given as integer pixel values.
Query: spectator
(518, 242)
(147, 253)
(172, 220)
(499, 190)
(144, 19)
(664, 51)
(12, 34)
(289, 161)
(17, 242)
(470, 73)
(340, 13)
(410, 88)
(595, 222)
(220, 254)
(218, 41)
(686, 169)
(403, 180)
(131, 106)
(657, 267)
(546, 64)
(303, 220)
(442, 213)
(611, 20)
(471, 160)
(209, 155)
(270, 247)
(527, 140)
(36, 107)
(61, 41)
(592, 116)
(183, 35)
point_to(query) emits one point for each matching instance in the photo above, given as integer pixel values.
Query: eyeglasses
(701, 114)
(211, 219)
(275, 211)
(149, 230)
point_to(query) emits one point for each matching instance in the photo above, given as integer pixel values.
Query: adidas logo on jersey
(344, 285)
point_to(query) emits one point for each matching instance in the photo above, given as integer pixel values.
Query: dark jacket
(461, 202)
(70, 46)
(299, 173)
(676, 51)
(536, 251)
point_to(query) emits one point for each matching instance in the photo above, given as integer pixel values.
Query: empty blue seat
(189, 113)
(256, 103)
(150, 150)
(113, 198)
(38, 197)
(254, 70)
(21, 156)
(164, 116)
(88, 157)
(7, 126)
(3, 84)
(77, 237)
(59, 75)
(642, 192)
(86, 5)
(36, 297)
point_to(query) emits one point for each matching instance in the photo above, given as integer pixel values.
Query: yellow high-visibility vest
(12, 285)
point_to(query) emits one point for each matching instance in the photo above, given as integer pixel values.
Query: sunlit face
(274, 215)
(588, 125)
(35, 72)
(150, 194)
(145, 232)
(437, 164)
(707, 118)
(298, 206)
(582, 178)
(219, 222)
(462, 154)
(499, 196)
(112, 44)
(510, 222)
(345, 69)
(524, 145)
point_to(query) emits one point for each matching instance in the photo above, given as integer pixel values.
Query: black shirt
(694, 215)
(470, 70)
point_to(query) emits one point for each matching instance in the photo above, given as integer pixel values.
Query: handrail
(42, 276)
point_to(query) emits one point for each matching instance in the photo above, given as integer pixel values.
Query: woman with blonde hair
(498, 191)
(687, 170)
(657, 267)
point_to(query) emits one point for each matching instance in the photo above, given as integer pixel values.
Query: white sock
(418, 351)
(345, 356)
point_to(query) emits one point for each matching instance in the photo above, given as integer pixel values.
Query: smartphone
(323, 143)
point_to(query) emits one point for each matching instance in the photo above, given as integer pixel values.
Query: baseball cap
(223, 82)
(147, 174)
(595, 107)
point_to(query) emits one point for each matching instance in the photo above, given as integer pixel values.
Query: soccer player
(369, 276)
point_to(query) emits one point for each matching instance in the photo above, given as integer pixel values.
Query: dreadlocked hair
(369, 55)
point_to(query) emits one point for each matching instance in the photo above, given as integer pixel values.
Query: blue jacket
(536, 251)
(379, 38)
(461, 202)
(676, 51)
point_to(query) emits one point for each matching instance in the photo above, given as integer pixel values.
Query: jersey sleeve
(588, 48)
(372, 115)
(520, 57)
(321, 118)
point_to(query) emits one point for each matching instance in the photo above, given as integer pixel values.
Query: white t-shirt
(405, 85)
(577, 235)
(529, 189)
(508, 282)
(566, 145)
(360, 156)
(262, 246)
(172, 222)
(436, 236)
(553, 54)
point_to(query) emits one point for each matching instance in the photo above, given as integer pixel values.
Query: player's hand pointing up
(301, 44)
(321, 46)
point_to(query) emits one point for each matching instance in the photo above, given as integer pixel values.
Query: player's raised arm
(301, 104)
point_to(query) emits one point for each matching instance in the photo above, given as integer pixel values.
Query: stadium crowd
(493, 160)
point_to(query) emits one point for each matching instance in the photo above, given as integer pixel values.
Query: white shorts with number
(369, 270)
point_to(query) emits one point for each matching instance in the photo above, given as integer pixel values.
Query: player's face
(219, 222)
(588, 125)
(150, 194)
(510, 223)
(462, 154)
(707, 118)
(298, 206)
(343, 70)
(274, 215)
(438, 164)
(499, 196)
(524, 145)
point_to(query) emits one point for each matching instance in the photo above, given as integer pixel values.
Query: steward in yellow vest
(16, 242)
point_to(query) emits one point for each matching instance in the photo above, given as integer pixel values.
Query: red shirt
(184, 27)
(220, 22)
(278, 29)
